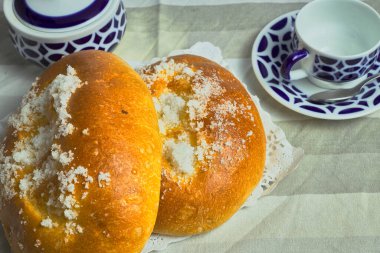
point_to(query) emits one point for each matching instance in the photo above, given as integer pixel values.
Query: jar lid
(31, 19)
(58, 14)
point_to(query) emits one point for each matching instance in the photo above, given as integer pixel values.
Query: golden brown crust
(122, 139)
(219, 187)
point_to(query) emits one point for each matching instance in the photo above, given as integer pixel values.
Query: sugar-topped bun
(213, 143)
(80, 166)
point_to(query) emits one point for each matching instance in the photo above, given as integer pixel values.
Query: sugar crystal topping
(180, 154)
(85, 131)
(48, 223)
(104, 179)
(37, 158)
(187, 119)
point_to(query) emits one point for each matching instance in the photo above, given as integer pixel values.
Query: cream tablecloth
(331, 203)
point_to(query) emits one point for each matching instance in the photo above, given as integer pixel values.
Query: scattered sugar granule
(23, 153)
(161, 126)
(181, 155)
(25, 185)
(85, 131)
(84, 195)
(201, 150)
(170, 107)
(188, 71)
(47, 223)
(70, 214)
(38, 176)
(157, 104)
(70, 228)
(204, 88)
(106, 177)
(162, 71)
(71, 188)
(250, 133)
(67, 181)
(79, 229)
(37, 244)
(61, 89)
(65, 158)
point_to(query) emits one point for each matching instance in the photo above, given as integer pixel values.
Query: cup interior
(340, 28)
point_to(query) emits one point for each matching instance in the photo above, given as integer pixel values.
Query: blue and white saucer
(272, 46)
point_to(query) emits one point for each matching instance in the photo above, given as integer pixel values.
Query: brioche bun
(80, 165)
(213, 143)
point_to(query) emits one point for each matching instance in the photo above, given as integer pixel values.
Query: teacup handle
(290, 61)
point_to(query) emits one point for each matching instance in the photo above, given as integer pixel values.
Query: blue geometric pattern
(339, 71)
(44, 54)
(273, 45)
(329, 69)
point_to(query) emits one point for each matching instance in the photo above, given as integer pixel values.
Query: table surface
(331, 203)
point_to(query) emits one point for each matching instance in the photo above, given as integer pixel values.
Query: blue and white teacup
(335, 43)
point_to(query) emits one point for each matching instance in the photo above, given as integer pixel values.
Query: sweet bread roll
(213, 139)
(80, 166)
